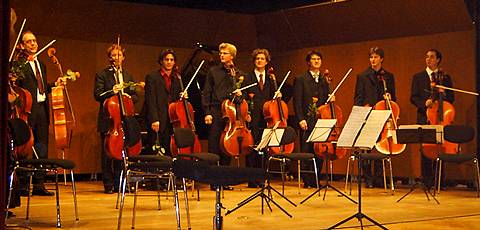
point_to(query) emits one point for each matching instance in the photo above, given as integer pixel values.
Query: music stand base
(265, 198)
(359, 216)
(326, 186)
(424, 188)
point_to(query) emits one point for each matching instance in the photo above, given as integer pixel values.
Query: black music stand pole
(359, 215)
(320, 133)
(360, 140)
(267, 197)
(417, 136)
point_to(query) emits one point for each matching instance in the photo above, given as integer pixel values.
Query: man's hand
(429, 103)
(303, 124)
(208, 119)
(387, 96)
(237, 92)
(184, 95)
(156, 126)
(248, 118)
(116, 88)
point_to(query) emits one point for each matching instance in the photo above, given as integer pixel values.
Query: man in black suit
(35, 81)
(161, 88)
(421, 96)
(311, 91)
(111, 79)
(256, 97)
(369, 90)
(218, 87)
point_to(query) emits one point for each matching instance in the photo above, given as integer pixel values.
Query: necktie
(260, 82)
(168, 81)
(39, 78)
(315, 76)
(433, 77)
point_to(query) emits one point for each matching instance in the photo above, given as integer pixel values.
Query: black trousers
(111, 168)
(307, 147)
(216, 129)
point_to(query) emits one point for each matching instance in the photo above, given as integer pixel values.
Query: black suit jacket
(305, 89)
(369, 89)
(217, 88)
(29, 82)
(157, 98)
(104, 81)
(420, 92)
(259, 98)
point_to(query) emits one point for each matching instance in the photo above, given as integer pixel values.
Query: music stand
(320, 134)
(270, 138)
(419, 134)
(361, 134)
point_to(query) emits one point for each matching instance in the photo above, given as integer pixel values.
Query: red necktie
(260, 82)
(168, 81)
(39, 78)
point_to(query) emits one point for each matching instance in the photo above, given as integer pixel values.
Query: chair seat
(374, 155)
(149, 158)
(48, 163)
(300, 156)
(216, 175)
(456, 158)
(208, 157)
(154, 166)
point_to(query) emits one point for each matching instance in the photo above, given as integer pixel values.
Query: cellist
(256, 96)
(106, 80)
(369, 90)
(35, 81)
(161, 88)
(311, 91)
(422, 99)
(218, 87)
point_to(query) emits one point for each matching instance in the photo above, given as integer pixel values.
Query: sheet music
(438, 130)
(372, 128)
(322, 130)
(352, 126)
(274, 138)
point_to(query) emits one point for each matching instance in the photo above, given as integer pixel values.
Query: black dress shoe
(10, 214)
(227, 188)
(252, 185)
(108, 191)
(41, 192)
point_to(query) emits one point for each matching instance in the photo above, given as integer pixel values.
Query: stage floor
(459, 208)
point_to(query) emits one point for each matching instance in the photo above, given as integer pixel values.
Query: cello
(386, 145)
(330, 110)
(181, 116)
(60, 94)
(236, 138)
(123, 137)
(276, 111)
(442, 113)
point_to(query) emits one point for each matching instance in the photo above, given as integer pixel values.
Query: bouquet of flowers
(312, 107)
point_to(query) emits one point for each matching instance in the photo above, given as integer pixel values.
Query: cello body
(19, 118)
(114, 141)
(181, 116)
(386, 145)
(441, 113)
(59, 117)
(330, 111)
(236, 139)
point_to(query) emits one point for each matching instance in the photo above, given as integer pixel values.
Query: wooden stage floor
(459, 208)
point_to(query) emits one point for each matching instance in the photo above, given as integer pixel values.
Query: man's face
(431, 60)
(117, 57)
(260, 61)
(225, 56)
(376, 61)
(168, 62)
(315, 62)
(29, 43)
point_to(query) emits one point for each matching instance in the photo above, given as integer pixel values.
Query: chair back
(459, 133)
(184, 137)
(289, 136)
